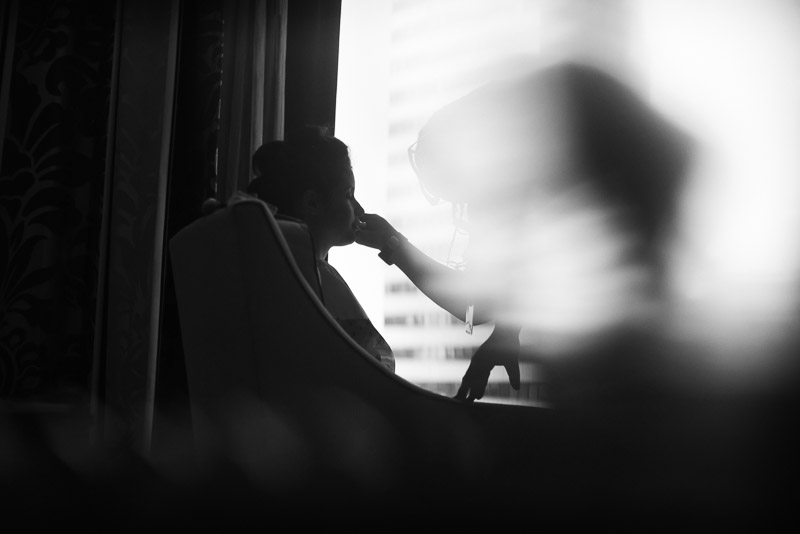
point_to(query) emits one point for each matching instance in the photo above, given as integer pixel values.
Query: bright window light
(728, 71)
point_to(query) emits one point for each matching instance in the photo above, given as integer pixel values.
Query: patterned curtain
(56, 73)
(102, 105)
(142, 128)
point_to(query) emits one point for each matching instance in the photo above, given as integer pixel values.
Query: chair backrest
(213, 305)
(250, 310)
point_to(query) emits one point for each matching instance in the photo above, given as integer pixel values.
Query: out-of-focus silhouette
(570, 181)
(573, 187)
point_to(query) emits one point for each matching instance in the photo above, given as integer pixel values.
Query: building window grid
(417, 319)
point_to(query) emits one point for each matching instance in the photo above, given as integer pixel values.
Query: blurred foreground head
(510, 144)
(572, 184)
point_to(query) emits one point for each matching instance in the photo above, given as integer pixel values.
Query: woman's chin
(347, 239)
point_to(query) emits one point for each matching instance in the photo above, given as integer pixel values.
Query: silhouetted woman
(309, 177)
(570, 182)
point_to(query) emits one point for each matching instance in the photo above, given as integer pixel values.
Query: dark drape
(57, 61)
(142, 131)
(252, 98)
(312, 62)
(193, 179)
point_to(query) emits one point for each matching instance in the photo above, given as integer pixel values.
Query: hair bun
(269, 160)
(305, 160)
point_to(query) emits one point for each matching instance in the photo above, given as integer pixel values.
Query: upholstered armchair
(280, 391)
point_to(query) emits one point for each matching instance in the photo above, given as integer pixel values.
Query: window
(401, 60)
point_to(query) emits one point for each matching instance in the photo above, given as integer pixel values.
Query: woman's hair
(308, 158)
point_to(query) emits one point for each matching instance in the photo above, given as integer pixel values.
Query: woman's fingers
(376, 222)
(512, 369)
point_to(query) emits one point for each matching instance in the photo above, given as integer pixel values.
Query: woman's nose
(359, 211)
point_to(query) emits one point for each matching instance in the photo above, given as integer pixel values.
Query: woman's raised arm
(449, 288)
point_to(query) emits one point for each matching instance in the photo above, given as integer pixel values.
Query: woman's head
(309, 176)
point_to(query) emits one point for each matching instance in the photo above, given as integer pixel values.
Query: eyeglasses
(417, 167)
(412, 157)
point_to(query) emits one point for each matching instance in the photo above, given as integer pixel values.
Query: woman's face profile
(340, 210)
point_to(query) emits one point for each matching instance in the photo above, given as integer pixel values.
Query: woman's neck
(321, 245)
(322, 253)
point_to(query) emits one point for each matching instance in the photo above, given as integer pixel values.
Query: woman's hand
(374, 231)
(502, 348)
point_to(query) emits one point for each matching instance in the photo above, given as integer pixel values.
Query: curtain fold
(274, 71)
(192, 180)
(136, 218)
(312, 63)
(8, 20)
(253, 87)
